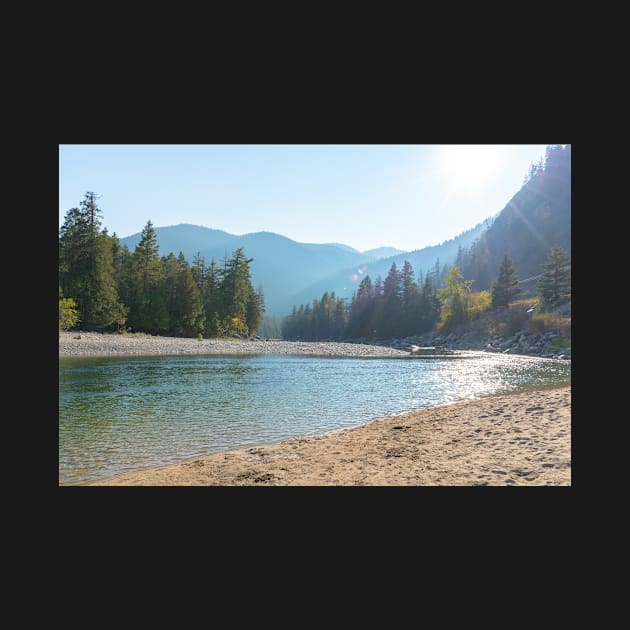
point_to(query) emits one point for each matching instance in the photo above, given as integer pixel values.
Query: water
(118, 414)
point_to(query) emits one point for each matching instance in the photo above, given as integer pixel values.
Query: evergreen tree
(554, 286)
(199, 272)
(104, 307)
(388, 322)
(340, 319)
(86, 265)
(255, 311)
(170, 265)
(361, 310)
(188, 315)
(147, 300)
(429, 307)
(410, 302)
(212, 299)
(236, 288)
(505, 289)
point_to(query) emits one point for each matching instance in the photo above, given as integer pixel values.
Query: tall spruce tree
(188, 315)
(212, 299)
(429, 307)
(236, 287)
(554, 286)
(86, 265)
(147, 308)
(505, 289)
(255, 311)
(410, 299)
(388, 323)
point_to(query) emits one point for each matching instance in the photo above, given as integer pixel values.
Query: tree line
(400, 306)
(102, 285)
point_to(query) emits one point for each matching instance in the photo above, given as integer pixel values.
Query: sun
(470, 165)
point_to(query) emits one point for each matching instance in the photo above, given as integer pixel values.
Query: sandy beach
(515, 439)
(113, 344)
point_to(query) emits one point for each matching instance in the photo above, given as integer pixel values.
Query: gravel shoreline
(113, 344)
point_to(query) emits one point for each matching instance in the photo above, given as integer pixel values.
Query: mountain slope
(534, 220)
(346, 281)
(282, 266)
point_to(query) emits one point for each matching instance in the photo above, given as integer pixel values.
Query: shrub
(560, 342)
(479, 303)
(541, 323)
(68, 314)
(497, 328)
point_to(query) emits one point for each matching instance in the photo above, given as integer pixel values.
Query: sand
(513, 439)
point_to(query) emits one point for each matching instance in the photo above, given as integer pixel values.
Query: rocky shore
(522, 342)
(111, 344)
(108, 344)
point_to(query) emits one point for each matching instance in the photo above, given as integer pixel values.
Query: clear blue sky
(365, 196)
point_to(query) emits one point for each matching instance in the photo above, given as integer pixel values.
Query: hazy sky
(365, 196)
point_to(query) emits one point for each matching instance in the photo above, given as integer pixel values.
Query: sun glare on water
(470, 165)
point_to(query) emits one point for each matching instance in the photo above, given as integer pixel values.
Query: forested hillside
(434, 259)
(213, 288)
(530, 237)
(104, 285)
(535, 219)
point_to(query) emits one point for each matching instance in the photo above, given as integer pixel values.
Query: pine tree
(388, 324)
(236, 288)
(104, 307)
(340, 319)
(147, 300)
(410, 301)
(554, 286)
(171, 265)
(255, 310)
(360, 310)
(199, 272)
(505, 289)
(429, 307)
(86, 265)
(212, 299)
(188, 315)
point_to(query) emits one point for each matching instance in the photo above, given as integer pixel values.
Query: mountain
(383, 252)
(533, 221)
(346, 247)
(282, 266)
(346, 281)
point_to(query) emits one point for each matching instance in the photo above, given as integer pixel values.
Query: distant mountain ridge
(282, 266)
(293, 273)
(383, 252)
(345, 281)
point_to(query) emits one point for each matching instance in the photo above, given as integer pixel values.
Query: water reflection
(118, 414)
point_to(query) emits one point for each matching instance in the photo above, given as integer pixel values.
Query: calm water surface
(118, 414)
